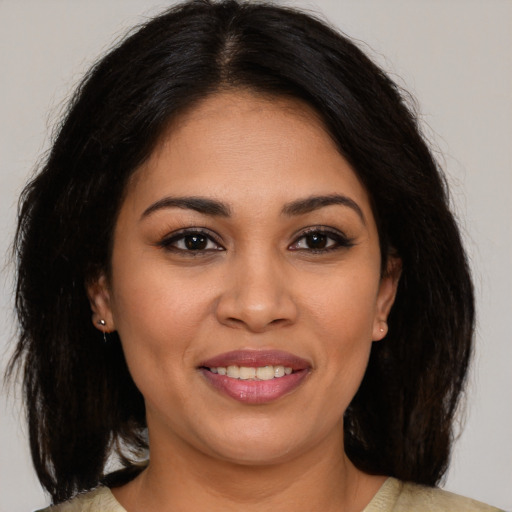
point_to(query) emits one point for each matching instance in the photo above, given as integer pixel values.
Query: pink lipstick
(255, 376)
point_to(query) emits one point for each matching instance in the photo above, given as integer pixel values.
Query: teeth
(233, 372)
(278, 371)
(247, 373)
(251, 373)
(265, 373)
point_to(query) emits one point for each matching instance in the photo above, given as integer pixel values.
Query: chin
(252, 454)
(259, 446)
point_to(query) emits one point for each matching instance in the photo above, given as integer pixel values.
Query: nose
(257, 295)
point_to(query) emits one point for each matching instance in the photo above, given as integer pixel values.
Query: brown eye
(320, 241)
(316, 240)
(191, 241)
(195, 242)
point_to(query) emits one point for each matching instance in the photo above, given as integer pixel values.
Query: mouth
(255, 377)
(251, 373)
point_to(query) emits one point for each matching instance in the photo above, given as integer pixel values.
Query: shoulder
(92, 501)
(397, 496)
(433, 499)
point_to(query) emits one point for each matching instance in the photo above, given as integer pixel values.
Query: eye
(191, 241)
(320, 240)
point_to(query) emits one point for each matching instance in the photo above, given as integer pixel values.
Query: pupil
(195, 242)
(316, 241)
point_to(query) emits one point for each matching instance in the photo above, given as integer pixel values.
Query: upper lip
(257, 358)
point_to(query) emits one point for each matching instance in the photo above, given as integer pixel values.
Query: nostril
(234, 322)
(254, 325)
(278, 321)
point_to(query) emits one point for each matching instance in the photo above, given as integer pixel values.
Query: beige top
(393, 496)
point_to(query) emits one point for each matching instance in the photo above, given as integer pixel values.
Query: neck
(182, 479)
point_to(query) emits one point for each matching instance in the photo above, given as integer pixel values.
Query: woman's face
(246, 249)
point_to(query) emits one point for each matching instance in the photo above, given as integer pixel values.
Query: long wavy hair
(81, 401)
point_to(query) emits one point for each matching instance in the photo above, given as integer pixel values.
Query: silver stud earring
(103, 324)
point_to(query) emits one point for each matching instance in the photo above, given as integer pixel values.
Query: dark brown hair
(82, 403)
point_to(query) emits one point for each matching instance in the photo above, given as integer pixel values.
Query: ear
(386, 297)
(99, 299)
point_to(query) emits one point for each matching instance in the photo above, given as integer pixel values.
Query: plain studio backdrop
(455, 56)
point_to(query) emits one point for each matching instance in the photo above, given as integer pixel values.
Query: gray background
(455, 56)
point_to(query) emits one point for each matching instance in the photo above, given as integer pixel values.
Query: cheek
(343, 319)
(156, 325)
(344, 305)
(157, 317)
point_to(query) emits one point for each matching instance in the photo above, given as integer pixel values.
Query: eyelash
(340, 240)
(182, 235)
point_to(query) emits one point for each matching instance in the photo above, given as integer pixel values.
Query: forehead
(238, 143)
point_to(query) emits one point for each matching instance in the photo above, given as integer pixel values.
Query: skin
(256, 285)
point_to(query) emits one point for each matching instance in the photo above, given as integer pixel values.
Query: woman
(283, 303)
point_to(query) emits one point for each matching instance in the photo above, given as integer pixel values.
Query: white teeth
(278, 371)
(247, 373)
(233, 372)
(265, 372)
(251, 373)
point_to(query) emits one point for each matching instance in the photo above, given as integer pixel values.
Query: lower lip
(255, 391)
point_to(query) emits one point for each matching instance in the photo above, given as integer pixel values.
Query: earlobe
(99, 299)
(386, 297)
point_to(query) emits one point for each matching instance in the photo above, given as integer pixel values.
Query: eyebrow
(199, 204)
(217, 208)
(309, 204)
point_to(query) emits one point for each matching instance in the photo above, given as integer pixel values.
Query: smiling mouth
(268, 372)
(255, 376)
